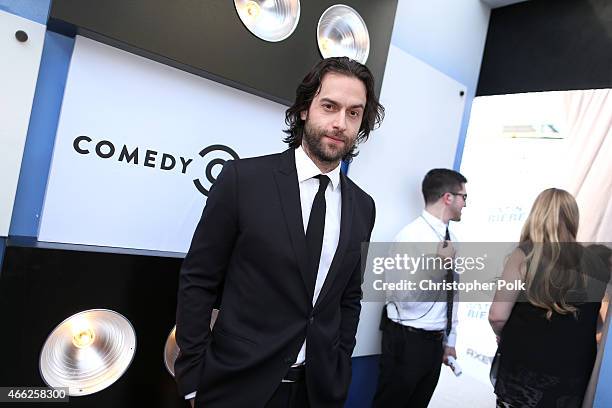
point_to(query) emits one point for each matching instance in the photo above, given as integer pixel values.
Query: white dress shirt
(425, 315)
(306, 171)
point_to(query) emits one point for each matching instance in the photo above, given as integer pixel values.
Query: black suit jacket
(250, 245)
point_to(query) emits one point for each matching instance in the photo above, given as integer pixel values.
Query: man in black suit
(280, 239)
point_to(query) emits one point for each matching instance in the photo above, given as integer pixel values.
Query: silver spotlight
(270, 20)
(88, 351)
(341, 32)
(171, 349)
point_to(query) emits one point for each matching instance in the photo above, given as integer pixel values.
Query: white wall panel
(18, 75)
(423, 117)
(114, 96)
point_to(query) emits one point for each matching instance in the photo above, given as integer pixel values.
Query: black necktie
(316, 227)
(449, 293)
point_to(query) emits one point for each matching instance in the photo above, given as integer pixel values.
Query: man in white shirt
(278, 246)
(419, 336)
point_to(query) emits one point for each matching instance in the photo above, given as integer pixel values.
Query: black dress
(548, 363)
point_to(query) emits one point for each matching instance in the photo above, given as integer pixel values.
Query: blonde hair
(549, 276)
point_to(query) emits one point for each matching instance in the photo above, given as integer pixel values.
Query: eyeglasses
(459, 194)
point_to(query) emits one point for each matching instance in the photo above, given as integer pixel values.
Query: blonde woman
(547, 332)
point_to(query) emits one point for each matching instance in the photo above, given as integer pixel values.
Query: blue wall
(603, 396)
(41, 134)
(2, 247)
(46, 106)
(35, 10)
(364, 382)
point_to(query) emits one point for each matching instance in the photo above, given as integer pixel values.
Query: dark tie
(449, 293)
(316, 227)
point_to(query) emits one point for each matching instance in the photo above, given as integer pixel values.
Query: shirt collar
(435, 222)
(306, 169)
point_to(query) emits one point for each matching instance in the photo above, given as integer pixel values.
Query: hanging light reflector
(171, 349)
(270, 20)
(88, 351)
(341, 32)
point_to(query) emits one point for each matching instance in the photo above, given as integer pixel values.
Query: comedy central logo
(213, 155)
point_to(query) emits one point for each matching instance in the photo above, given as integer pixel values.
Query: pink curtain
(589, 179)
(589, 161)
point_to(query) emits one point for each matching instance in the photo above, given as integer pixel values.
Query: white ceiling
(500, 3)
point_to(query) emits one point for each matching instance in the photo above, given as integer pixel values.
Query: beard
(313, 138)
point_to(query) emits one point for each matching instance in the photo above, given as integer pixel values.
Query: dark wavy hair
(373, 113)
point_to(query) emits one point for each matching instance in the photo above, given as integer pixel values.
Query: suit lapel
(289, 193)
(345, 233)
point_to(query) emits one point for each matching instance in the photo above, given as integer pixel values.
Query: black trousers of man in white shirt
(408, 377)
(414, 348)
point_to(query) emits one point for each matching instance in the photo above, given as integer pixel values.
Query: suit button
(288, 360)
(311, 320)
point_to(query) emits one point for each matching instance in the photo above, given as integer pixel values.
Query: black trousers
(290, 395)
(410, 366)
